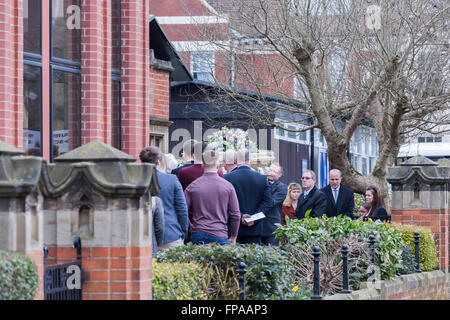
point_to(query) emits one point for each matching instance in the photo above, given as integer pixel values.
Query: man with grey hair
(229, 160)
(212, 201)
(253, 193)
(279, 191)
(340, 199)
(312, 198)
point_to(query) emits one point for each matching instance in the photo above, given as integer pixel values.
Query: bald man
(340, 199)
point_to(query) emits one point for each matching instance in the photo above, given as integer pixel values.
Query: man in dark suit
(279, 191)
(340, 199)
(188, 155)
(312, 198)
(253, 193)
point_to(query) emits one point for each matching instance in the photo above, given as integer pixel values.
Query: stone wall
(432, 285)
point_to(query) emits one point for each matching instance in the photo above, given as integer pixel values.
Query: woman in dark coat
(374, 199)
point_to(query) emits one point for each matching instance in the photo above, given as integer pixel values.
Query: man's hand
(245, 216)
(232, 240)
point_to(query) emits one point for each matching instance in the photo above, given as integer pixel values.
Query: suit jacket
(188, 174)
(279, 191)
(158, 224)
(175, 208)
(315, 200)
(253, 193)
(188, 164)
(345, 202)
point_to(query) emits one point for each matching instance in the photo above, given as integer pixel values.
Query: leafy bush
(176, 281)
(18, 277)
(302, 262)
(388, 255)
(269, 274)
(427, 248)
(408, 261)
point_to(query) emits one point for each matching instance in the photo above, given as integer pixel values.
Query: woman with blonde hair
(291, 201)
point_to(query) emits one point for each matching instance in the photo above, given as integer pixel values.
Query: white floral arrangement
(235, 139)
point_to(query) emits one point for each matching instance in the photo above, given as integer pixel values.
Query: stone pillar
(21, 220)
(96, 192)
(420, 196)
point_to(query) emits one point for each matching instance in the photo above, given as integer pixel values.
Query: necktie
(335, 195)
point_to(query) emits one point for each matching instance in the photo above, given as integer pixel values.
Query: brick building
(73, 71)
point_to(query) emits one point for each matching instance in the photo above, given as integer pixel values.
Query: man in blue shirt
(174, 202)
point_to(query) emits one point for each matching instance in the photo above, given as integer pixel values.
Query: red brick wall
(135, 82)
(11, 72)
(38, 259)
(159, 97)
(96, 39)
(437, 220)
(111, 273)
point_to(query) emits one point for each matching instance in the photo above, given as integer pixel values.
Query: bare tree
(352, 59)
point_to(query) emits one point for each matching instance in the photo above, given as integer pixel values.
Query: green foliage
(427, 248)
(408, 261)
(18, 277)
(359, 200)
(268, 275)
(176, 281)
(388, 243)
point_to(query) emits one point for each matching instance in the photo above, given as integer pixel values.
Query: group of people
(198, 203)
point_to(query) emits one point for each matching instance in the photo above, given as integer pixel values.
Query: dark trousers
(248, 239)
(270, 240)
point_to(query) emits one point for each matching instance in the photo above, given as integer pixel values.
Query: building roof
(164, 50)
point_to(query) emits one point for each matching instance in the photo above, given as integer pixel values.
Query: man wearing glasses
(312, 198)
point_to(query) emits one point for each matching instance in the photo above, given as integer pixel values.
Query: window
(421, 139)
(290, 134)
(66, 29)
(202, 66)
(66, 133)
(437, 139)
(156, 140)
(32, 111)
(32, 26)
(116, 115)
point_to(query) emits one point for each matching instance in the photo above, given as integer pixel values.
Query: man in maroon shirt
(212, 201)
(188, 174)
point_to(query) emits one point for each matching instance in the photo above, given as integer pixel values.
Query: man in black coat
(340, 199)
(279, 191)
(253, 193)
(311, 198)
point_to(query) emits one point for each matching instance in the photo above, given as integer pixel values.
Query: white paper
(255, 217)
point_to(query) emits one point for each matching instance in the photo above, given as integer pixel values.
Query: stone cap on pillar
(418, 167)
(19, 174)
(109, 170)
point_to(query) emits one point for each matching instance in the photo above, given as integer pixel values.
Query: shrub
(18, 277)
(408, 261)
(302, 262)
(318, 230)
(177, 281)
(269, 274)
(427, 248)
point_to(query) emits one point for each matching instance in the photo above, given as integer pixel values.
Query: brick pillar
(11, 72)
(21, 218)
(134, 74)
(420, 196)
(96, 84)
(105, 201)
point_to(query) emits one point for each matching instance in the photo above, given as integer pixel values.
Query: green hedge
(387, 245)
(176, 281)
(427, 248)
(18, 277)
(269, 274)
